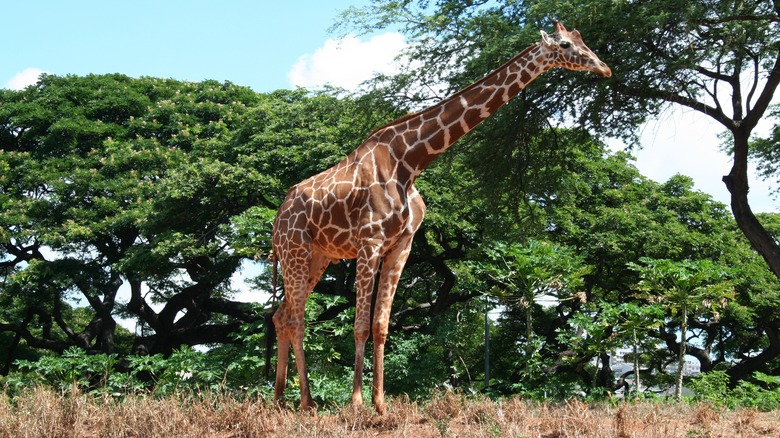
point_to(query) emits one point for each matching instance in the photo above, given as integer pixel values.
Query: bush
(762, 393)
(711, 387)
(76, 370)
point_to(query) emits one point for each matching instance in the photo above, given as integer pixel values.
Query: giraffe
(367, 208)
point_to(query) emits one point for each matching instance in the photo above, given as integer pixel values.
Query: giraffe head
(567, 50)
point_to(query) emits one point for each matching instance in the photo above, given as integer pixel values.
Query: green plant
(75, 368)
(763, 393)
(711, 387)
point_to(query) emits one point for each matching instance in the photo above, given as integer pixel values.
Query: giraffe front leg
(303, 376)
(357, 382)
(362, 330)
(367, 264)
(392, 267)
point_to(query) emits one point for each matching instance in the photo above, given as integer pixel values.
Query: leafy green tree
(719, 58)
(612, 215)
(526, 280)
(109, 186)
(140, 198)
(637, 321)
(689, 289)
(605, 326)
(529, 276)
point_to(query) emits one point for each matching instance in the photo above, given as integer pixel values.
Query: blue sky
(270, 45)
(253, 43)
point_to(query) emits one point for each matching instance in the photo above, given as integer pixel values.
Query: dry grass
(42, 413)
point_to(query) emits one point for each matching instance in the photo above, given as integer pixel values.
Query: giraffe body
(367, 208)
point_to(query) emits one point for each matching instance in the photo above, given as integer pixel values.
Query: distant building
(620, 362)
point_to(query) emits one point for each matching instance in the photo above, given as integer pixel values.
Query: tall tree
(101, 194)
(140, 198)
(717, 57)
(688, 288)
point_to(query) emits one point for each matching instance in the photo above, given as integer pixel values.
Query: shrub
(762, 393)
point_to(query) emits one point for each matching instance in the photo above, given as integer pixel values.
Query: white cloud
(348, 62)
(26, 77)
(686, 142)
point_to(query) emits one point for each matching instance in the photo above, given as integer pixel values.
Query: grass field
(43, 413)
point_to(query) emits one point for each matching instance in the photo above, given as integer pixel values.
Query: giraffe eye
(565, 44)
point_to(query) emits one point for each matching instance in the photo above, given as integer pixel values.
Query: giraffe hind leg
(289, 321)
(282, 358)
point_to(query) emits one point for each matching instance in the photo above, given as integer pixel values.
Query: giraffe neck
(427, 134)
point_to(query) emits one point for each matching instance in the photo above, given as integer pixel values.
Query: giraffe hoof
(308, 405)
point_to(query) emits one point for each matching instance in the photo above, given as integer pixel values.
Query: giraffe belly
(340, 219)
(343, 241)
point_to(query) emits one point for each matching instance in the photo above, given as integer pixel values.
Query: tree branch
(764, 99)
(751, 364)
(138, 306)
(731, 18)
(671, 97)
(48, 344)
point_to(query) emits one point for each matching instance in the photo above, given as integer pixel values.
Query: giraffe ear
(546, 40)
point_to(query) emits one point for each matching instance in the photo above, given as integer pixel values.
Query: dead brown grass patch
(42, 413)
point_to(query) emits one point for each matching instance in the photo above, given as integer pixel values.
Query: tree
(603, 327)
(638, 321)
(689, 289)
(140, 198)
(107, 187)
(612, 215)
(720, 58)
(529, 275)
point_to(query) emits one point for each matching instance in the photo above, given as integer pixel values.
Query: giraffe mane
(411, 115)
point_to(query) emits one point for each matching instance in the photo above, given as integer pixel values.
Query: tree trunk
(636, 363)
(737, 184)
(747, 366)
(681, 355)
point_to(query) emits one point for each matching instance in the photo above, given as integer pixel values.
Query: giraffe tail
(274, 276)
(270, 331)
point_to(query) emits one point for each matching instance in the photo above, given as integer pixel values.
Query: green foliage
(711, 387)
(689, 289)
(73, 368)
(520, 273)
(761, 392)
(764, 150)
(184, 370)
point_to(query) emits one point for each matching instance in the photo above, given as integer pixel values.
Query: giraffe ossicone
(367, 208)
